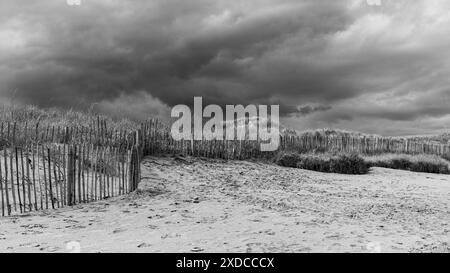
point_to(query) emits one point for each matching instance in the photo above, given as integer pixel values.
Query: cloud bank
(342, 64)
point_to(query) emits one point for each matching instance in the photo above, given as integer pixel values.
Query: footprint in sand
(268, 232)
(197, 249)
(49, 249)
(119, 230)
(144, 245)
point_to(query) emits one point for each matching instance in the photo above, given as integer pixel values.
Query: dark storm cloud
(325, 62)
(172, 49)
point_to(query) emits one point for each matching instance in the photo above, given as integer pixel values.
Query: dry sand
(187, 204)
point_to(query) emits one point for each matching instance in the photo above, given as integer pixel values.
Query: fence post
(134, 168)
(132, 173)
(70, 175)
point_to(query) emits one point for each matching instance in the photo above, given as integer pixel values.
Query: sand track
(187, 204)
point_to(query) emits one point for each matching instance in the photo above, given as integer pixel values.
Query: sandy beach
(203, 205)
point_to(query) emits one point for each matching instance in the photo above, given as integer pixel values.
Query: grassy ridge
(22, 124)
(415, 163)
(316, 155)
(325, 162)
(356, 164)
(33, 115)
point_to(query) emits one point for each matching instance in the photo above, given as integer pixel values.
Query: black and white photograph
(219, 126)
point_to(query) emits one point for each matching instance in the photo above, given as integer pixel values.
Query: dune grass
(325, 162)
(357, 164)
(33, 115)
(24, 123)
(416, 163)
(29, 117)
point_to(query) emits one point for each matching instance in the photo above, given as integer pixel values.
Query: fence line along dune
(51, 159)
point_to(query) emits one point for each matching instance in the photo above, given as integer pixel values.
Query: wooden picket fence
(155, 138)
(98, 133)
(42, 176)
(54, 167)
(362, 145)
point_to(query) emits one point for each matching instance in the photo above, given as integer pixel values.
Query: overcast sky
(340, 64)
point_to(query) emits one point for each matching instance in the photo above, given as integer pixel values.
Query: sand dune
(195, 205)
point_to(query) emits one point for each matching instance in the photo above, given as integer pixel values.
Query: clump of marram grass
(356, 164)
(349, 164)
(33, 116)
(288, 159)
(315, 162)
(416, 163)
(325, 162)
(23, 123)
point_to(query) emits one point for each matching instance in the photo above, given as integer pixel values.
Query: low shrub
(348, 164)
(341, 163)
(315, 162)
(415, 163)
(288, 159)
(355, 164)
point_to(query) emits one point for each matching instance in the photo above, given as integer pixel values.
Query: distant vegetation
(55, 117)
(326, 150)
(325, 162)
(341, 141)
(24, 124)
(357, 164)
(442, 138)
(415, 163)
